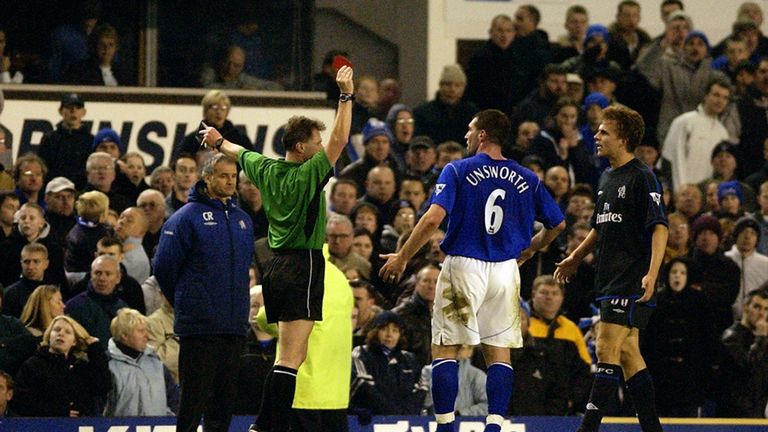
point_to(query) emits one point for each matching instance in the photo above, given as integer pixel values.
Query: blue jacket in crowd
(202, 264)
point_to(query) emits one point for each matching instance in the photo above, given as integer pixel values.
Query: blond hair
(37, 312)
(124, 322)
(79, 350)
(92, 205)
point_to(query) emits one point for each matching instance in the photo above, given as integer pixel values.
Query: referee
(629, 229)
(294, 202)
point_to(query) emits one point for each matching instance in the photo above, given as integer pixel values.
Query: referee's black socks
(603, 398)
(640, 389)
(279, 390)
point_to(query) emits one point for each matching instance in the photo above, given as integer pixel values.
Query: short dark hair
(6, 195)
(761, 292)
(109, 241)
(451, 147)
(582, 189)
(534, 11)
(496, 125)
(183, 155)
(552, 69)
(362, 283)
(675, 2)
(632, 3)
(299, 129)
(629, 124)
(414, 179)
(576, 9)
(718, 81)
(344, 181)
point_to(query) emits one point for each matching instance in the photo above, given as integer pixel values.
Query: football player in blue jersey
(491, 203)
(629, 229)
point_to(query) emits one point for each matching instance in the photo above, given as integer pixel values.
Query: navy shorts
(626, 311)
(293, 285)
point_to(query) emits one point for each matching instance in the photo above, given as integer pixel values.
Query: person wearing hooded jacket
(201, 265)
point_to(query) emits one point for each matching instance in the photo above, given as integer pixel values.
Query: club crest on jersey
(242, 224)
(656, 197)
(439, 188)
(623, 191)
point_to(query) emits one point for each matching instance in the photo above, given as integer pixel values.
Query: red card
(339, 61)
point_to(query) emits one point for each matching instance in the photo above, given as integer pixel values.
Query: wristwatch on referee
(346, 97)
(218, 143)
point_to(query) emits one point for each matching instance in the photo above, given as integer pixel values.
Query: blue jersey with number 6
(491, 206)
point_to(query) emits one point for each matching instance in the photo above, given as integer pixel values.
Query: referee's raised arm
(343, 123)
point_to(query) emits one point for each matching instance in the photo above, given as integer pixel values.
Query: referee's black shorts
(293, 285)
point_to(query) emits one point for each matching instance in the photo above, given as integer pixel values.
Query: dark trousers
(208, 367)
(320, 420)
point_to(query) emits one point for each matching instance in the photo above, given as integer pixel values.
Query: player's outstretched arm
(210, 136)
(343, 123)
(658, 246)
(542, 238)
(395, 265)
(567, 267)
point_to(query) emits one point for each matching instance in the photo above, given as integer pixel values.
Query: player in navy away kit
(491, 203)
(629, 229)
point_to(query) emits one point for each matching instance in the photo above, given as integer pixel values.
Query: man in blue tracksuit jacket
(201, 265)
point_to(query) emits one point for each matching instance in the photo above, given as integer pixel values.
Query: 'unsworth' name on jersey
(485, 172)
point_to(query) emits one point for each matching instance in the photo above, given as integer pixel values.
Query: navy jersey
(629, 205)
(491, 206)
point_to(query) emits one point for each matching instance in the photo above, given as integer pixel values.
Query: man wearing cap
(420, 160)
(753, 265)
(66, 149)
(445, 117)
(717, 276)
(60, 202)
(489, 69)
(693, 135)
(681, 82)
(378, 142)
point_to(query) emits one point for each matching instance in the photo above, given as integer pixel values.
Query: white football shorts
(477, 302)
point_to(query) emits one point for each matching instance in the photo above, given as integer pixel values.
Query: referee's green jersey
(293, 197)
